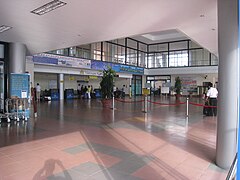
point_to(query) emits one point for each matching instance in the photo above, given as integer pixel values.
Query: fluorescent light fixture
(48, 7)
(4, 28)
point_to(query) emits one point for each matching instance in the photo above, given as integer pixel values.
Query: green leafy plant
(107, 83)
(178, 85)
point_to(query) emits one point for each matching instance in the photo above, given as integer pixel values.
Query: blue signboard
(52, 59)
(99, 65)
(20, 87)
(45, 60)
(127, 69)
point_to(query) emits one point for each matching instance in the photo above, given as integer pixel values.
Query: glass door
(136, 85)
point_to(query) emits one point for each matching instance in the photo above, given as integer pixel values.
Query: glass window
(83, 51)
(151, 60)
(178, 45)
(120, 55)
(61, 52)
(163, 47)
(158, 47)
(131, 43)
(193, 45)
(178, 59)
(72, 51)
(131, 57)
(106, 52)
(199, 57)
(121, 41)
(142, 47)
(96, 51)
(214, 60)
(162, 59)
(153, 48)
(141, 59)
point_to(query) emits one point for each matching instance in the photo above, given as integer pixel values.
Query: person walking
(212, 96)
(38, 92)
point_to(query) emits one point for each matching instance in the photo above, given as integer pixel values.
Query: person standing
(212, 96)
(89, 92)
(38, 92)
(79, 90)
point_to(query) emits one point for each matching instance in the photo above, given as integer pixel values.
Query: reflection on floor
(78, 139)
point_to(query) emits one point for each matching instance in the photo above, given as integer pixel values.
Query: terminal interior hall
(118, 90)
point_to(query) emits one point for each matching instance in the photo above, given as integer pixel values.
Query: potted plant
(178, 87)
(106, 86)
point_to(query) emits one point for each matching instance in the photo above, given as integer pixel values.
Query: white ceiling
(87, 21)
(161, 36)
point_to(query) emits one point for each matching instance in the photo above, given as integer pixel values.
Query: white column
(61, 86)
(227, 82)
(17, 61)
(17, 58)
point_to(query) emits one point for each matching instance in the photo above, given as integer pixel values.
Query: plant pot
(107, 103)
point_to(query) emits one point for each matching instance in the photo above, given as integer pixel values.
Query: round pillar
(227, 82)
(61, 86)
(17, 58)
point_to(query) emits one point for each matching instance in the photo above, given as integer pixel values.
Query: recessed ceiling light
(202, 15)
(48, 7)
(4, 28)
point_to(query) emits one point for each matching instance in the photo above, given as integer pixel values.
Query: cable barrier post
(146, 92)
(187, 107)
(113, 104)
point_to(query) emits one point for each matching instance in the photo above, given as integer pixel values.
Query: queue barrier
(124, 101)
(146, 102)
(166, 104)
(202, 105)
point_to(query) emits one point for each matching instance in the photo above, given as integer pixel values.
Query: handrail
(232, 170)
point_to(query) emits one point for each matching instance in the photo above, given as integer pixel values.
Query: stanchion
(146, 92)
(187, 107)
(113, 104)
(145, 104)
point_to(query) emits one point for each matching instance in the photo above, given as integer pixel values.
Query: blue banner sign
(127, 69)
(52, 59)
(100, 65)
(45, 60)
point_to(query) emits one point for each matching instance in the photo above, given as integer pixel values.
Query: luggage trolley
(2, 115)
(16, 109)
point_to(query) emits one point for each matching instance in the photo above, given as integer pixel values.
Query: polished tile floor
(78, 139)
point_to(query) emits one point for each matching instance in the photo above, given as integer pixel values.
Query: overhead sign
(127, 69)
(52, 59)
(93, 73)
(100, 65)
